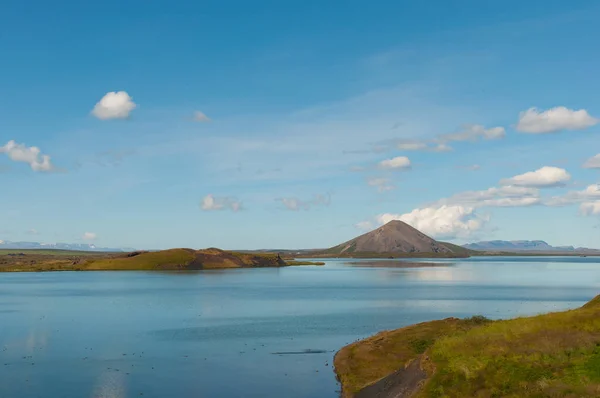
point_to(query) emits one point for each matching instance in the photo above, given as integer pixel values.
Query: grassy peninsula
(173, 259)
(551, 355)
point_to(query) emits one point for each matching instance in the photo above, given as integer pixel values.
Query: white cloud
(364, 225)
(201, 117)
(593, 162)
(442, 147)
(397, 163)
(411, 145)
(473, 132)
(32, 231)
(382, 184)
(89, 236)
(114, 105)
(470, 132)
(590, 194)
(295, 204)
(443, 222)
(211, 203)
(457, 217)
(31, 155)
(590, 208)
(506, 196)
(559, 118)
(546, 176)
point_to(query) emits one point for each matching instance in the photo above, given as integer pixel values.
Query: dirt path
(400, 384)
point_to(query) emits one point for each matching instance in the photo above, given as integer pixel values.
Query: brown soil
(402, 383)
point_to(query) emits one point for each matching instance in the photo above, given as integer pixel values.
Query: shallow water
(246, 333)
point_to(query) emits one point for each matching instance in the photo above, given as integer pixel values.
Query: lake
(243, 333)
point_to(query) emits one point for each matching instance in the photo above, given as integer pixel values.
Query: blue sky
(298, 124)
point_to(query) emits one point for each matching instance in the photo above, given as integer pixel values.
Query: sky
(298, 124)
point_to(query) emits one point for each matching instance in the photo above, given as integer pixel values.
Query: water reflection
(398, 264)
(444, 275)
(111, 383)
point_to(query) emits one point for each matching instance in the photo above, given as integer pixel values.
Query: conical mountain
(393, 237)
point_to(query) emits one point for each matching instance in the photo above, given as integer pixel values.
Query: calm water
(217, 333)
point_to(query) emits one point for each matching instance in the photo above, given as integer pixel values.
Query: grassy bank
(551, 355)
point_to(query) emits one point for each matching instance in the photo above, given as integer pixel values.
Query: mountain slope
(393, 237)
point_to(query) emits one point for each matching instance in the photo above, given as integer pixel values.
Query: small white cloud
(32, 231)
(590, 194)
(411, 145)
(444, 222)
(201, 117)
(89, 236)
(559, 118)
(295, 204)
(590, 208)
(382, 184)
(364, 226)
(30, 155)
(442, 147)
(593, 162)
(114, 105)
(212, 203)
(473, 132)
(397, 163)
(506, 196)
(546, 176)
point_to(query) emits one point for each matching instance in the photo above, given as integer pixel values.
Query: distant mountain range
(88, 247)
(525, 246)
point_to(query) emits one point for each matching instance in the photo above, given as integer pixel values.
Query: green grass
(556, 354)
(161, 260)
(551, 355)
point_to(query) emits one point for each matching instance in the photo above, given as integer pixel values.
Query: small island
(164, 260)
(551, 355)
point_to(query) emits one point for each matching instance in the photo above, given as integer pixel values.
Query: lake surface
(242, 333)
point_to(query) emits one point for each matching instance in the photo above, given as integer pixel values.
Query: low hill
(551, 355)
(173, 259)
(460, 250)
(394, 238)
